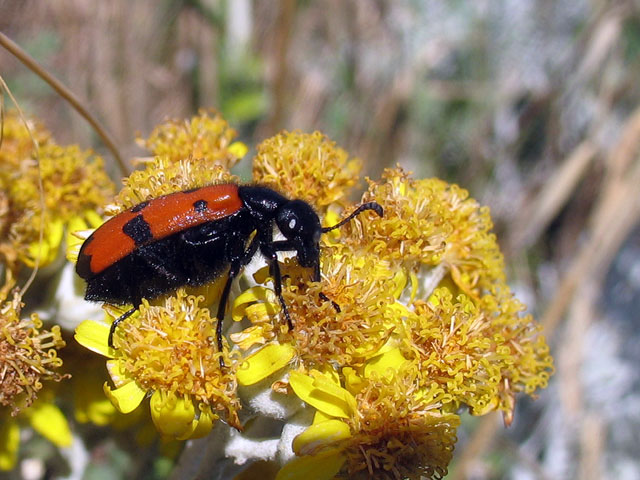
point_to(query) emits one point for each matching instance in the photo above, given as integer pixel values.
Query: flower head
(362, 288)
(412, 320)
(388, 429)
(73, 181)
(28, 355)
(17, 140)
(204, 136)
(307, 166)
(168, 350)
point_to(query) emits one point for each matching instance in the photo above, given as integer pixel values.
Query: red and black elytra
(191, 237)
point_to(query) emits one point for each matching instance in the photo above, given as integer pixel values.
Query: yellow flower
(479, 359)
(73, 181)
(264, 362)
(432, 223)
(168, 351)
(411, 321)
(28, 355)
(387, 430)
(362, 289)
(17, 144)
(307, 166)
(392, 336)
(205, 136)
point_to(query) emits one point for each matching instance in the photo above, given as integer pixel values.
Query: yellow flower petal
(119, 376)
(385, 364)
(47, 251)
(48, 421)
(320, 435)
(414, 286)
(352, 381)
(55, 232)
(320, 417)
(9, 443)
(400, 281)
(38, 250)
(94, 336)
(265, 296)
(247, 338)
(125, 398)
(329, 385)
(204, 424)
(322, 393)
(173, 416)
(94, 218)
(264, 362)
(323, 466)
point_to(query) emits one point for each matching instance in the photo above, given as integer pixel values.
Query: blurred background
(531, 105)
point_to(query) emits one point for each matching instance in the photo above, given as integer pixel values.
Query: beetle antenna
(365, 206)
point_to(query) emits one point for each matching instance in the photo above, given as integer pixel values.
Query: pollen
(28, 355)
(207, 136)
(171, 348)
(308, 166)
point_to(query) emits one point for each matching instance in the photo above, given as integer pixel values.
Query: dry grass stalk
(614, 216)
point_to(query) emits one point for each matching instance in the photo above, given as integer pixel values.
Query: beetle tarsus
(117, 322)
(324, 298)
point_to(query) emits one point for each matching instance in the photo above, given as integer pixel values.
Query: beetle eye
(292, 224)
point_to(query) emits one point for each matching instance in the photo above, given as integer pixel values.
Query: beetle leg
(251, 251)
(274, 267)
(234, 270)
(269, 250)
(116, 322)
(324, 298)
(285, 246)
(222, 306)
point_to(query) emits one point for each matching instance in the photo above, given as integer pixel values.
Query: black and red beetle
(191, 237)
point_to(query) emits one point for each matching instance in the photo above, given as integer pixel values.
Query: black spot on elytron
(139, 207)
(200, 206)
(138, 229)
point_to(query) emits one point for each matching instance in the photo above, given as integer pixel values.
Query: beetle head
(301, 226)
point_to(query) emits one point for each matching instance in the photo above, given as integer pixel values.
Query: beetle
(191, 237)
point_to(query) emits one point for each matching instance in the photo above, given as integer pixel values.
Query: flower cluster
(167, 350)
(308, 166)
(412, 320)
(205, 136)
(45, 190)
(74, 183)
(28, 356)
